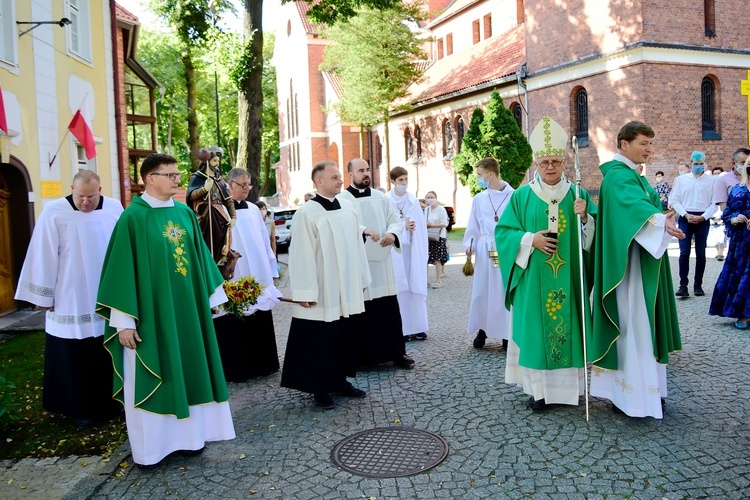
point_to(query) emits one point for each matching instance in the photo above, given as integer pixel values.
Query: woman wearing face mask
(270, 226)
(731, 298)
(486, 318)
(408, 265)
(662, 187)
(437, 221)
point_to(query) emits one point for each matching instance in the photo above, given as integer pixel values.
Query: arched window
(448, 148)
(460, 131)
(418, 134)
(708, 110)
(517, 111)
(581, 116)
(408, 145)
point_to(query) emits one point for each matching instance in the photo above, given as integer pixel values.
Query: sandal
(437, 285)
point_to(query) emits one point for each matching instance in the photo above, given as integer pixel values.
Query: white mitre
(548, 138)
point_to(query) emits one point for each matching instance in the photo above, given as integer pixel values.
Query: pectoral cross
(745, 90)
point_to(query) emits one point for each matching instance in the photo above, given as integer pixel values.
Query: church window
(709, 13)
(581, 116)
(708, 110)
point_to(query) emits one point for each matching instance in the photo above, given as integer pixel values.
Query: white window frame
(79, 161)
(79, 31)
(8, 35)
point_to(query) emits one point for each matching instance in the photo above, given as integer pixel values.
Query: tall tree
(192, 22)
(332, 11)
(377, 56)
(249, 82)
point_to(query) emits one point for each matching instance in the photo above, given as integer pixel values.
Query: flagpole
(67, 131)
(579, 227)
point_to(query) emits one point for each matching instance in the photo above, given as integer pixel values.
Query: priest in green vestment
(634, 310)
(538, 246)
(157, 288)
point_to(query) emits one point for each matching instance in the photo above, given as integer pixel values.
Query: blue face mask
(739, 168)
(483, 182)
(698, 169)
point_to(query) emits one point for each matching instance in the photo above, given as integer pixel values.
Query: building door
(7, 303)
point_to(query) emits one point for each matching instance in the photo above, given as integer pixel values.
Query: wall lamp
(61, 23)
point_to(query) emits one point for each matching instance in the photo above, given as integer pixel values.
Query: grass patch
(33, 432)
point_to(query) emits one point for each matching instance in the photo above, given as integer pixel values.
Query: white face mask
(401, 188)
(263, 213)
(430, 201)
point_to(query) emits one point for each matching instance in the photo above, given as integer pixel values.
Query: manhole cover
(389, 452)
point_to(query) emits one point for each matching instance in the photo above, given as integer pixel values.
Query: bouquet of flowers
(241, 293)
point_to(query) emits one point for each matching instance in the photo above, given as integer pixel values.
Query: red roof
(489, 60)
(122, 13)
(310, 27)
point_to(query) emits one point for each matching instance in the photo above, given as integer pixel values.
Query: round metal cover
(389, 452)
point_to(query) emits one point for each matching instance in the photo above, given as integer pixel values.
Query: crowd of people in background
(141, 294)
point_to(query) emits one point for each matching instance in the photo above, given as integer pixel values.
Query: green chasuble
(546, 295)
(159, 271)
(626, 203)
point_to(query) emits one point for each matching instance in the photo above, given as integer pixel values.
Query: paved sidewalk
(498, 447)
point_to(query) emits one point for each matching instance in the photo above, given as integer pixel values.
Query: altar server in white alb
(487, 316)
(248, 345)
(328, 273)
(382, 338)
(61, 275)
(408, 264)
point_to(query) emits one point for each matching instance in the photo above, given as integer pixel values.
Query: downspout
(118, 101)
(520, 76)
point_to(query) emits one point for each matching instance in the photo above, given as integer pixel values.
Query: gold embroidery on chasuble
(622, 383)
(175, 234)
(558, 336)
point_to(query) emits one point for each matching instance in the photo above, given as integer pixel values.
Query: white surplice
(327, 262)
(376, 213)
(487, 311)
(153, 436)
(409, 264)
(63, 266)
(250, 238)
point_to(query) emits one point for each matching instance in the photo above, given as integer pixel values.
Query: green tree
(504, 141)
(496, 135)
(469, 154)
(192, 23)
(333, 11)
(377, 57)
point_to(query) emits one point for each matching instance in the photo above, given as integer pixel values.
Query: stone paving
(498, 447)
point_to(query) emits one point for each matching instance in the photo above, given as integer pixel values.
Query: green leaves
(494, 134)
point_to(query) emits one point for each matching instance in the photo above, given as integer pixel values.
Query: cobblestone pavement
(498, 447)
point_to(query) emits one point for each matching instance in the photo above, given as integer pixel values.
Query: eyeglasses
(172, 177)
(547, 163)
(698, 164)
(244, 185)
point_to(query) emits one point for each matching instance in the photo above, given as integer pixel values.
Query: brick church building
(678, 66)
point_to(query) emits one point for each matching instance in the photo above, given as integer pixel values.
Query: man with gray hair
(692, 199)
(61, 275)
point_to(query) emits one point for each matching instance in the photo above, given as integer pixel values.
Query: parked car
(282, 219)
(449, 210)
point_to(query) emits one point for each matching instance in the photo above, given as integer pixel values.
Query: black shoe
(348, 390)
(617, 411)
(404, 361)
(682, 291)
(537, 404)
(505, 344)
(419, 336)
(324, 400)
(190, 453)
(719, 258)
(480, 339)
(698, 292)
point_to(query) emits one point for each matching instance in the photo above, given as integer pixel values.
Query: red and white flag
(80, 127)
(3, 119)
